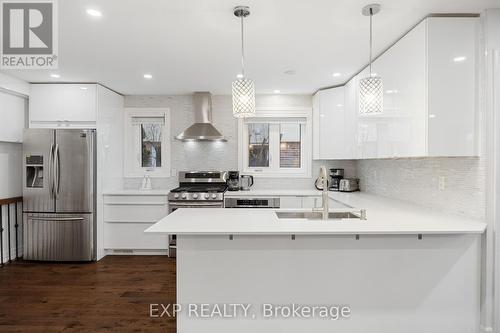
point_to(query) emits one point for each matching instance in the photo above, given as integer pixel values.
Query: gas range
(197, 189)
(199, 186)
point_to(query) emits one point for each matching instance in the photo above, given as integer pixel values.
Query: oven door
(173, 206)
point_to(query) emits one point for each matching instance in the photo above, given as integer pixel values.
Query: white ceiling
(194, 45)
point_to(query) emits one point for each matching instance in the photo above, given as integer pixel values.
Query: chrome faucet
(323, 178)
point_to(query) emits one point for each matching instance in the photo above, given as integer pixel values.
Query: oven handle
(195, 205)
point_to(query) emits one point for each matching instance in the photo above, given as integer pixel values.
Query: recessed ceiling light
(340, 105)
(56, 76)
(459, 59)
(84, 88)
(276, 91)
(239, 76)
(336, 74)
(148, 76)
(94, 12)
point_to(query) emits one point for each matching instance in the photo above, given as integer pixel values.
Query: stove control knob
(184, 195)
(195, 196)
(214, 196)
(176, 195)
(207, 196)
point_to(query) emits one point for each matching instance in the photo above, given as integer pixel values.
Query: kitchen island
(403, 269)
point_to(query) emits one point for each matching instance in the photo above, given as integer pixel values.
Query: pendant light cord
(371, 40)
(242, 49)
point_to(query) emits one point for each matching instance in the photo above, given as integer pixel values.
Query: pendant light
(243, 88)
(371, 89)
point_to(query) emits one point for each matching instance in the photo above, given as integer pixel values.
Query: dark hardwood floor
(112, 295)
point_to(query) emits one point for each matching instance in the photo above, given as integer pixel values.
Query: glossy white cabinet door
(453, 121)
(333, 132)
(63, 105)
(12, 114)
(332, 120)
(46, 104)
(316, 130)
(350, 120)
(400, 129)
(79, 102)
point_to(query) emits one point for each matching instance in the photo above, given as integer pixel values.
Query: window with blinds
(274, 145)
(148, 143)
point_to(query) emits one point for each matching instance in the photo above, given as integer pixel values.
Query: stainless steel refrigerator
(59, 184)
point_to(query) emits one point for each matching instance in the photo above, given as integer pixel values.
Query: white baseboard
(129, 252)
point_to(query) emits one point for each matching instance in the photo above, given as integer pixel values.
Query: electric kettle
(246, 182)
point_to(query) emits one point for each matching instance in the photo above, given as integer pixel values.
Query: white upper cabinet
(63, 105)
(333, 126)
(452, 93)
(399, 131)
(12, 113)
(430, 99)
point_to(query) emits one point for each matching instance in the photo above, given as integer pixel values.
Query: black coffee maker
(335, 176)
(233, 181)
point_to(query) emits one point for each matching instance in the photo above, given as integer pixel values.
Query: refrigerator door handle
(57, 219)
(51, 171)
(57, 174)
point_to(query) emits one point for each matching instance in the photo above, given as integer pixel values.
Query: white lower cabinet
(299, 201)
(311, 202)
(290, 202)
(127, 216)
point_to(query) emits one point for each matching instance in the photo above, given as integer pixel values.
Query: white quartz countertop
(384, 216)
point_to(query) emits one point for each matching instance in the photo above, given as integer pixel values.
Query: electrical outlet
(442, 183)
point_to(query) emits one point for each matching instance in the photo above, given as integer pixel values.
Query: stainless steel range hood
(202, 129)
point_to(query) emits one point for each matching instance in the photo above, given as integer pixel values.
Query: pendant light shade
(243, 89)
(371, 88)
(243, 98)
(371, 95)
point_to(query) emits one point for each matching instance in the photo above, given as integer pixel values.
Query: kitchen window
(275, 146)
(147, 149)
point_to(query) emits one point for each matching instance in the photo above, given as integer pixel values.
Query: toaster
(349, 185)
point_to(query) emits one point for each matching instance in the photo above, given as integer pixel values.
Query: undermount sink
(316, 215)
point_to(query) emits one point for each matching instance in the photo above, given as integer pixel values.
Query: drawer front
(134, 213)
(131, 236)
(136, 199)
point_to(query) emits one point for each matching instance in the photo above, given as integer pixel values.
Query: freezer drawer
(58, 237)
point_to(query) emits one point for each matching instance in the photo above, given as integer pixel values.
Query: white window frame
(132, 160)
(283, 113)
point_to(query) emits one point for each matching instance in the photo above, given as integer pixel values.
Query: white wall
(10, 169)
(217, 155)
